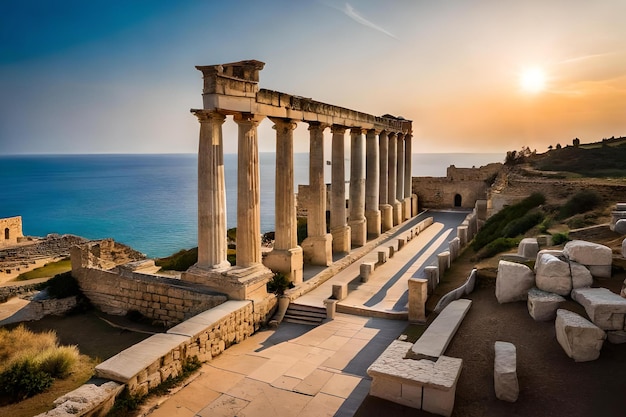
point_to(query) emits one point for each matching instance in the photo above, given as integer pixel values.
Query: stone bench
(606, 309)
(505, 372)
(422, 384)
(438, 335)
(580, 339)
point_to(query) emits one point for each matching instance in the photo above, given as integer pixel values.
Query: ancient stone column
(372, 184)
(248, 192)
(357, 221)
(408, 179)
(212, 244)
(386, 212)
(317, 247)
(400, 174)
(286, 257)
(391, 188)
(338, 225)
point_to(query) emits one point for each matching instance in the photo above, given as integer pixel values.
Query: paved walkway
(298, 370)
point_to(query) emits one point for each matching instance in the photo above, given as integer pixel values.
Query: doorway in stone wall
(7, 233)
(457, 200)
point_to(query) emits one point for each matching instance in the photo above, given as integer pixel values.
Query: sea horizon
(149, 201)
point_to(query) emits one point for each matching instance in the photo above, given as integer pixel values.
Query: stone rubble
(606, 309)
(528, 247)
(593, 255)
(505, 372)
(513, 282)
(542, 305)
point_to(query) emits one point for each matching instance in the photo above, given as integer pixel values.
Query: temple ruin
(380, 194)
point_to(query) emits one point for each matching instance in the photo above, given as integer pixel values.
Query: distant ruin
(10, 231)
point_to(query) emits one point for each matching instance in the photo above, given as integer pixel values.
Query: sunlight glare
(533, 80)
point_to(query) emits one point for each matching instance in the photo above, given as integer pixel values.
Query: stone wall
(10, 291)
(10, 230)
(119, 289)
(461, 187)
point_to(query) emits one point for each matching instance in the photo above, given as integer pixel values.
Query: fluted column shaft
(408, 178)
(338, 226)
(393, 173)
(386, 211)
(212, 245)
(372, 184)
(286, 233)
(317, 247)
(356, 204)
(400, 168)
(248, 191)
(286, 256)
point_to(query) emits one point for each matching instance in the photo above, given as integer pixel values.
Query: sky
(110, 76)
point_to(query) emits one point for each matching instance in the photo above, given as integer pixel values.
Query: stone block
(331, 308)
(620, 227)
(528, 247)
(401, 243)
(392, 251)
(542, 306)
(581, 276)
(461, 232)
(600, 271)
(432, 276)
(554, 252)
(553, 274)
(580, 339)
(505, 372)
(383, 254)
(340, 291)
(418, 294)
(454, 248)
(605, 308)
(443, 261)
(544, 240)
(588, 253)
(616, 337)
(513, 282)
(365, 270)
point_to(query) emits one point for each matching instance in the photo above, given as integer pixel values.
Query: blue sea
(147, 201)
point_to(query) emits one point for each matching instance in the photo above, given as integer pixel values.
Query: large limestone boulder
(581, 276)
(513, 281)
(580, 339)
(606, 309)
(505, 372)
(542, 306)
(528, 247)
(554, 252)
(597, 257)
(553, 275)
(620, 227)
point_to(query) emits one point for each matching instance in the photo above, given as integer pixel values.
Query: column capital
(358, 130)
(374, 131)
(205, 116)
(317, 126)
(248, 118)
(338, 129)
(400, 135)
(392, 135)
(282, 123)
(383, 134)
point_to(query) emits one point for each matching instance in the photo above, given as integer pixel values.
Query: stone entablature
(10, 230)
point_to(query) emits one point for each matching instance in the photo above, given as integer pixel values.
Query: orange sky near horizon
(118, 77)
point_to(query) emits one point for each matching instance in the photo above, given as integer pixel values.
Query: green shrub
(180, 261)
(580, 202)
(545, 225)
(559, 238)
(62, 286)
(23, 379)
(278, 284)
(493, 227)
(497, 246)
(522, 225)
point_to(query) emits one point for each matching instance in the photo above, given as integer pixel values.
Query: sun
(533, 80)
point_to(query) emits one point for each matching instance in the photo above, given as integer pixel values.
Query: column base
(318, 250)
(414, 206)
(287, 261)
(407, 208)
(236, 282)
(373, 223)
(341, 239)
(386, 217)
(398, 213)
(358, 234)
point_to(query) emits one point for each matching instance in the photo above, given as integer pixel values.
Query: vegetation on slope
(48, 270)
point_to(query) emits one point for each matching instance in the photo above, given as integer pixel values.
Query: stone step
(306, 313)
(300, 320)
(304, 307)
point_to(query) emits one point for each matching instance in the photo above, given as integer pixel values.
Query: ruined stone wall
(556, 191)
(303, 199)
(460, 185)
(118, 290)
(10, 230)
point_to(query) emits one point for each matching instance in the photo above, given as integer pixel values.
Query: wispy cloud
(356, 16)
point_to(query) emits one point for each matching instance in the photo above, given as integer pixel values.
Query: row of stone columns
(380, 186)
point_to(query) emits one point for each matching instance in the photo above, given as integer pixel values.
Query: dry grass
(21, 343)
